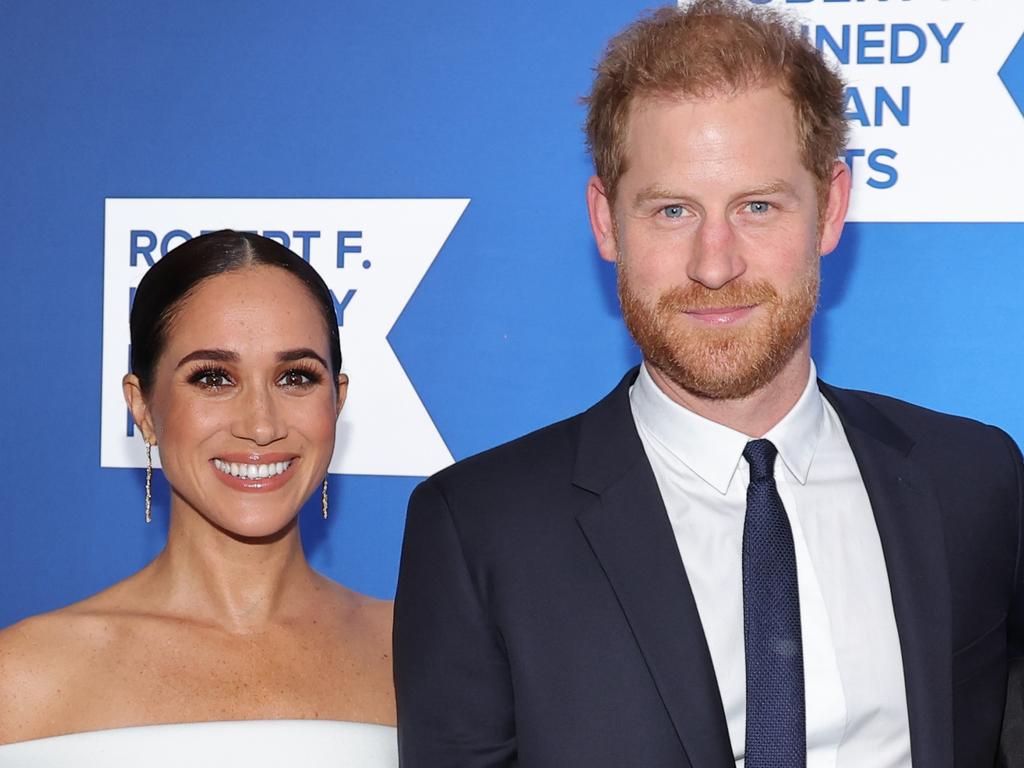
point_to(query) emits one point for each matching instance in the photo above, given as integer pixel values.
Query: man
(725, 560)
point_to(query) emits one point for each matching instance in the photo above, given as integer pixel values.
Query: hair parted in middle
(167, 285)
(710, 48)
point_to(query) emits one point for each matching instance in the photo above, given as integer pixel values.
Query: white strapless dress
(249, 743)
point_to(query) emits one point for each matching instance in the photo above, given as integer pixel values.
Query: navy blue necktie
(776, 727)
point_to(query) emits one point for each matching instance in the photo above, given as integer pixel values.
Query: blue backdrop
(514, 325)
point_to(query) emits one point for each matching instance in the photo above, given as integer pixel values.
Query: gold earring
(149, 482)
(323, 497)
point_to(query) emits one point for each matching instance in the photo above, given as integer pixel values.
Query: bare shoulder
(374, 611)
(358, 610)
(46, 659)
(377, 616)
(39, 657)
(30, 653)
(359, 643)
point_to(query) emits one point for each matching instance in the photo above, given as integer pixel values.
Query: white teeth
(251, 471)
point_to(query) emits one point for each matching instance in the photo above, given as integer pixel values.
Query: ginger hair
(711, 48)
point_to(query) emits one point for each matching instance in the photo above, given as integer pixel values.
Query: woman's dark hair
(174, 277)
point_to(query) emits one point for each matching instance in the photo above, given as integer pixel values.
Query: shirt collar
(713, 451)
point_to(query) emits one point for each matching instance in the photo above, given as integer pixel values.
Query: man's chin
(732, 366)
(716, 384)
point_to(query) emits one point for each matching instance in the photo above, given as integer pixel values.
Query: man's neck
(754, 414)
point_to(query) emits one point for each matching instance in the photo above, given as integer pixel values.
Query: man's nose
(716, 258)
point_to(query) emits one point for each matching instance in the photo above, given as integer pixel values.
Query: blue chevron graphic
(1012, 74)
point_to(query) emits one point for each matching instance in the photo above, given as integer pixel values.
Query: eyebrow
(301, 353)
(227, 356)
(218, 355)
(656, 192)
(771, 188)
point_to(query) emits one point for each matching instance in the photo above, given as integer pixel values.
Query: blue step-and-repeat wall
(427, 158)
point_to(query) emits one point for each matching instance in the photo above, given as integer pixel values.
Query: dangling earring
(149, 482)
(323, 497)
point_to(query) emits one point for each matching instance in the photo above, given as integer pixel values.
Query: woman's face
(242, 405)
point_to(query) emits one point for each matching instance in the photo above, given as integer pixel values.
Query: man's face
(717, 236)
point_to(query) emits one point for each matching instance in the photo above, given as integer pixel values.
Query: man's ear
(137, 405)
(601, 222)
(342, 392)
(834, 215)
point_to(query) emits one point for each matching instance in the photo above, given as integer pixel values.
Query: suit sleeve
(1011, 746)
(452, 681)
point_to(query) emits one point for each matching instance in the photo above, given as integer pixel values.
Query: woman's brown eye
(295, 379)
(211, 379)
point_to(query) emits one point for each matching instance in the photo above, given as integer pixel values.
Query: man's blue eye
(759, 206)
(674, 211)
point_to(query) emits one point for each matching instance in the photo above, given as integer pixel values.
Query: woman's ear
(137, 405)
(342, 391)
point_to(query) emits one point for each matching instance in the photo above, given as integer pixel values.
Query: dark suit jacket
(544, 617)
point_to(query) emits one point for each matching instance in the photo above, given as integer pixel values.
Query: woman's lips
(720, 315)
(254, 472)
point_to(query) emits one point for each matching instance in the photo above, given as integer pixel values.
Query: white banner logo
(371, 253)
(935, 134)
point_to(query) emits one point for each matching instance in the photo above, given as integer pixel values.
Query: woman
(236, 380)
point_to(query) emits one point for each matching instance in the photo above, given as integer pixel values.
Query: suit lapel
(628, 530)
(910, 527)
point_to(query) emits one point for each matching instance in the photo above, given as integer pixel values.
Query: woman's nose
(259, 416)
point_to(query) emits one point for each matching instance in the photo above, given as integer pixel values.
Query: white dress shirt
(853, 670)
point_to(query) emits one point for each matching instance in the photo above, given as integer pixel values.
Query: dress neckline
(215, 726)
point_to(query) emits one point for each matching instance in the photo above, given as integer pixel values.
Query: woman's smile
(250, 472)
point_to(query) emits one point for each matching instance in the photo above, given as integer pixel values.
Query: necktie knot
(760, 455)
